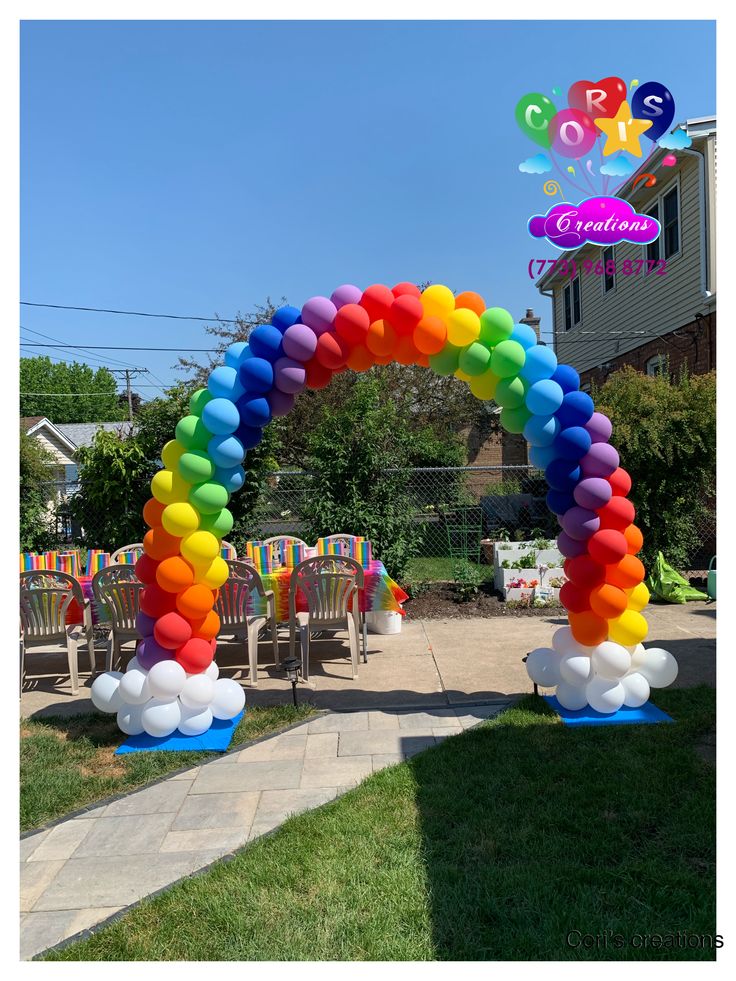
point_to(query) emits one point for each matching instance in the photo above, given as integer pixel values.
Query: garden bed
(441, 600)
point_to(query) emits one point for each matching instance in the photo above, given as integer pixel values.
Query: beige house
(666, 313)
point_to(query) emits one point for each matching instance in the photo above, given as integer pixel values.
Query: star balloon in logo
(622, 131)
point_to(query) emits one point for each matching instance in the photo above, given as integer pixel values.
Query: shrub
(467, 580)
(35, 532)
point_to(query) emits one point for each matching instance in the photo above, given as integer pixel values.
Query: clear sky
(200, 167)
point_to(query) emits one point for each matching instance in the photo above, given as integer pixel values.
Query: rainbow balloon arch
(597, 660)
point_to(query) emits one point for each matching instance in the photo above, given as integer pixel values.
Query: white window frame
(659, 201)
(656, 365)
(603, 276)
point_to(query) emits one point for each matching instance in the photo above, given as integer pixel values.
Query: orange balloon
(627, 573)
(206, 627)
(195, 602)
(608, 601)
(332, 350)
(386, 359)
(360, 358)
(588, 629)
(634, 539)
(422, 359)
(159, 544)
(381, 338)
(152, 512)
(470, 301)
(405, 352)
(430, 335)
(174, 574)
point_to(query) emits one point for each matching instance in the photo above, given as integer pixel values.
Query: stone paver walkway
(87, 868)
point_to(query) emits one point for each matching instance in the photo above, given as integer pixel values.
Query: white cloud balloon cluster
(606, 677)
(166, 698)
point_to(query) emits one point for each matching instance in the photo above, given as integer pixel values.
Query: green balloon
(507, 359)
(220, 523)
(496, 325)
(474, 359)
(446, 362)
(192, 433)
(514, 420)
(510, 393)
(198, 401)
(195, 466)
(209, 498)
(534, 113)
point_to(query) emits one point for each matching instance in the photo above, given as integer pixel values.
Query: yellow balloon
(438, 301)
(212, 574)
(170, 454)
(638, 597)
(459, 373)
(200, 547)
(168, 487)
(463, 327)
(180, 519)
(484, 386)
(629, 629)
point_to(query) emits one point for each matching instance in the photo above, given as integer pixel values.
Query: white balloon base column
(607, 677)
(166, 699)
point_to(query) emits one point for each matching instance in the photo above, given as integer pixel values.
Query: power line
(86, 395)
(127, 313)
(48, 337)
(122, 347)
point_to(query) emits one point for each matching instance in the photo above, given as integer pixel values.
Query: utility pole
(128, 373)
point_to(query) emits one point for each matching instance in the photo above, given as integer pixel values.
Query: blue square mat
(216, 739)
(645, 715)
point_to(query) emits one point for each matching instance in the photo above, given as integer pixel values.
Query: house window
(657, 365)
(671, 223)
(585, 387)
(653, 250)
(571, 301)
(568, 308)
(609, 275)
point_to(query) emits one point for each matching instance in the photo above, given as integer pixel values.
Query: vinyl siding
(59, 453)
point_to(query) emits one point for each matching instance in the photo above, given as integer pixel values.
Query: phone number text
(588, 267)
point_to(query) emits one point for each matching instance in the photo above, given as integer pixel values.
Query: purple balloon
(580, 523)
(319, 314)
(592, 493)
(300, 342)
(281, 402)
(144, 624)
(571, 547)
(346, 294)
(600, 460)
(150, 652)
(599, 427)
(289, 375)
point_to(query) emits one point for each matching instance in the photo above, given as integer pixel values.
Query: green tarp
(665, 583)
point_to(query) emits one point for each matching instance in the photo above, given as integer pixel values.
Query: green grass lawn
(440, 569)
(493, 845)
(68, 762)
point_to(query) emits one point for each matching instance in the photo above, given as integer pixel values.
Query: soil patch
(441, 601)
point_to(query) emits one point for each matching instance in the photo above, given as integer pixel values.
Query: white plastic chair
(45, 597)
(117, 589)
(231, 548)
(136, 548)
(278, 547)
(232, 609)
(330, 585)
(346, 540)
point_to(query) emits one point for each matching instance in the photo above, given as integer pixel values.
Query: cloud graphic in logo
(618, 167)
(679, 140)
(600, 220)
(538, 164)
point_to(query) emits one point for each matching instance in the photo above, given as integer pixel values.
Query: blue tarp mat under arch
(646, 715)
(215, 740)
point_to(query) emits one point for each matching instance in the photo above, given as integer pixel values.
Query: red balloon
(317, 375)
(406, 289)
(588, 629)
(634, 540)
(406, 312)
(332, 351)
(145, 568)
(172, 630)
(377, 300)
(607, 546)
(195, 655)
(352, 323)
(627, 573)
(575, 598)
(618, 513)
(607, 601)
(584, 571)
(620, 482)
(155, 602)
(405, 352)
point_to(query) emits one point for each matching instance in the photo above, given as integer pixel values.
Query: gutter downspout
(703, 224)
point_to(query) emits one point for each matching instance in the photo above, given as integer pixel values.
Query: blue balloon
(544, 397)
(560, 501)
(541, 430)
(224, 383)
(653, 101)
(567, 378)
(221, 417)
(249, 436)
(540, 363)
(562, 475)
(576, 409)
(231, 478)
(256, 376)
(541, 456)
(255, 412)
(236, 353)
(285, 317)
(572, 443)
(225, 452)
(265, 342)
(525, 335)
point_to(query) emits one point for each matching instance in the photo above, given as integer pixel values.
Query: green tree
(69, 392)
(36, 492)
(666, 433)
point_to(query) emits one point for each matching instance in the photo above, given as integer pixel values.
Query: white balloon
(228, 699)
(571, 697)
(197, 691)
(160, 717)
(659, 667)
(129, 719)
(105, 691)
(134, 664)
(212, 671)
(166, 679)
(194, 721)
(576, 669)
(610, 660)
(636, 688)
(564, 642)
(637, 656)
(605, 695)
(134, 687)
(543, 667)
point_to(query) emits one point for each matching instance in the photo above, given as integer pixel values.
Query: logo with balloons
(605, 134)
